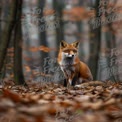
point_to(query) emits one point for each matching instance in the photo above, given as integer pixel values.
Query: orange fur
(74, 70)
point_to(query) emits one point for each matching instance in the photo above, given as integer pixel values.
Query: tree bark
(43, 37)
(6, 33)
(95, 46)
(0, 16)
(58, 6)
(18, 72)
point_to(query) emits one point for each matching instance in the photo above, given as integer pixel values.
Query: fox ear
(63, 44)
(76, 44)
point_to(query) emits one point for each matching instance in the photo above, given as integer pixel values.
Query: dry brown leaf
(46, 49)
(13, 96)
(33, 49)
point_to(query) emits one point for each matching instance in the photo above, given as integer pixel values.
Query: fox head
(69, 51)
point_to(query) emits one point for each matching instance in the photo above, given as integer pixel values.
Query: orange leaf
(13, 96)
(28, 69)
(49, 12)
(45, 49)
(33, 49)
(10, 49)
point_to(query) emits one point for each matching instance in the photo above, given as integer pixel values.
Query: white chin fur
(69, 56)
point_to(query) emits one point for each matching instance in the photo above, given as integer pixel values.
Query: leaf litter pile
(91, 102)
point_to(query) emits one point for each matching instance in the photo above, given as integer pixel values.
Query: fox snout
(69, 56)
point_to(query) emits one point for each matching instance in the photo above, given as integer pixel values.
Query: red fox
(75, 71)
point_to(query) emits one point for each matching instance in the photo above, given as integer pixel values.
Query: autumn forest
(34, 84)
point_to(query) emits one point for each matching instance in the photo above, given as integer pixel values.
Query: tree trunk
(95, 46)
(58, 7)
(43, 37)
(6, 33)
(18, 73)
(0, 17)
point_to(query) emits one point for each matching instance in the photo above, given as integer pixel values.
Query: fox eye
(75, 51)
(67, 51)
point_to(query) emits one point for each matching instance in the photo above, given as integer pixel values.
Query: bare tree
(13, 23)
(43, 37)
(7, 31)
(95, 45)
(18, 73)
(58, 7)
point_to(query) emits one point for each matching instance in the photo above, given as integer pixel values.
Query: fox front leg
(69, 83)
(74, 80)
(65, 82)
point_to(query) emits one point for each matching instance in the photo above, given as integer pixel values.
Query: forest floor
(92, 102)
